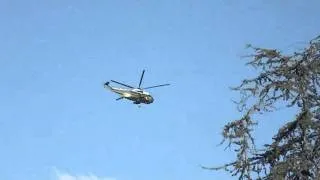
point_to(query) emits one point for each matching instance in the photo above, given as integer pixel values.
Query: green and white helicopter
(136, 94)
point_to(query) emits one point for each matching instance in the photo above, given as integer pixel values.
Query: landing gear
(138, 103)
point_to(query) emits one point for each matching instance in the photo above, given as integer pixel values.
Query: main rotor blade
(141, 78)
(156, 86)
(122, 84)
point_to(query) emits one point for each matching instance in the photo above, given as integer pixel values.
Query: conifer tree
(292, 80)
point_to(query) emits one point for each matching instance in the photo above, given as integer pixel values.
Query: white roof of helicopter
(140, 90)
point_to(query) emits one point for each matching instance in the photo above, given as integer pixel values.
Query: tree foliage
(293, 80)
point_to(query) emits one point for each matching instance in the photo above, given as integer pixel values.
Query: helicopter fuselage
(136, 95)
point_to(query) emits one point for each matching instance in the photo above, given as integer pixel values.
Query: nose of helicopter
(149, 99)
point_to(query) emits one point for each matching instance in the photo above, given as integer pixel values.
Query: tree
(293, 80)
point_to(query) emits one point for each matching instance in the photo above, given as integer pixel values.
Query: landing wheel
(137, 103)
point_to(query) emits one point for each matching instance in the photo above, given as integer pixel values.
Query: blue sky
(57, 122)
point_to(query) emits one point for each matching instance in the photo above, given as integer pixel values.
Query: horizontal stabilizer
(119, 98)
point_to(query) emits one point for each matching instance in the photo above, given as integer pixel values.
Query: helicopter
(136, 94)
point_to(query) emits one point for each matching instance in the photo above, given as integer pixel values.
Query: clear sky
(57, 122)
